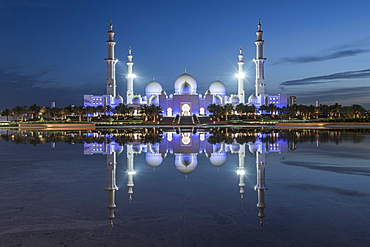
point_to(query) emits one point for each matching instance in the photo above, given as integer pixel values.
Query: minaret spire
(111, 63)
(259, 61)
(130, 77)
(241, 76)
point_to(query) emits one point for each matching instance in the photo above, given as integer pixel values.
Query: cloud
(358, 74)
(15, 80)
(27, 89)
(324, 57)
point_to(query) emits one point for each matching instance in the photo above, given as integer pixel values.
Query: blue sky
(55, 50)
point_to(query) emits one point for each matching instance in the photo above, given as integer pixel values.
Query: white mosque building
(185, 100)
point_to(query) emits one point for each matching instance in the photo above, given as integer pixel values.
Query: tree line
(303, 112)
(122, 111)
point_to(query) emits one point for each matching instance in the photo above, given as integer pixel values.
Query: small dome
(217, 100)
(252, 148)
(234, 99)
(136, 148)
(154, 100)
(136, 100)
(218, 159)
(153, 159)
(185, 78)
(117, 148)
(117, 100)
(235, 147)
(217, 87)
(252, 99)
(153, 87)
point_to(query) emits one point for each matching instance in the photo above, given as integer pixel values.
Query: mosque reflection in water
(186, 147)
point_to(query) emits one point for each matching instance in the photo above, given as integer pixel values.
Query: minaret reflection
(110, 150)
(241, 170)
(130, 170)
(264, 144)
(261, 186)
(111, 185)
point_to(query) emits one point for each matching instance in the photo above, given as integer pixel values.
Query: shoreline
(93, 126)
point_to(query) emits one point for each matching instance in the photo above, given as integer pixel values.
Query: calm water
(194, 188)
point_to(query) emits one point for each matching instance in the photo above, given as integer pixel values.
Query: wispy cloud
(16, 80)
(19, 88)
(324, 57)
(358, 74)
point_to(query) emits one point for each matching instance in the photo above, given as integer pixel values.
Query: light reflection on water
(186, 188)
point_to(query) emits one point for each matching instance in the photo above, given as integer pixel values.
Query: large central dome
(185, 79)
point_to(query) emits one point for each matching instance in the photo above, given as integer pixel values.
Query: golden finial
(185, 70)
(240, 50)
(129, 50)
(111, 25)
(259, 24)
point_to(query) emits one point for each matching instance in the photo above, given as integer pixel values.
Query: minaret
(111, 63)
(130, 171)
(130, 77)
(261, 186)
(241, 170)
(111, 185)
(259, 61)
(241, 77)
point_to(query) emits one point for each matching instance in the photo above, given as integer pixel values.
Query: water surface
(193, 188)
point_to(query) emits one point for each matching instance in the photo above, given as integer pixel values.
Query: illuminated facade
(185, 101)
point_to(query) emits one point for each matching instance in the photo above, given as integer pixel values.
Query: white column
(130, 77)
(259, 61)
(241, 77)
(111, 63)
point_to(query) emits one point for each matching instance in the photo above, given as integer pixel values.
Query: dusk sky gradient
(54, 50)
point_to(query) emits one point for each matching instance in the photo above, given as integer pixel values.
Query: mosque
(185, 101)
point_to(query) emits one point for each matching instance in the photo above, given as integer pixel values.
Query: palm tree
(7, 113)
(55, 112)
(335, 110)
(264, 109)
(34, 110)
(228, 109)
(19, 111)
(100, 109)
(216, 110)
(240, 108)
(80, 111)
(90, 111)
(357, 110)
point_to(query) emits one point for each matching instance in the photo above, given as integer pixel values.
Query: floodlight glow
(240, 75)
(240, 172)
(131, 173)
(131, 76)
